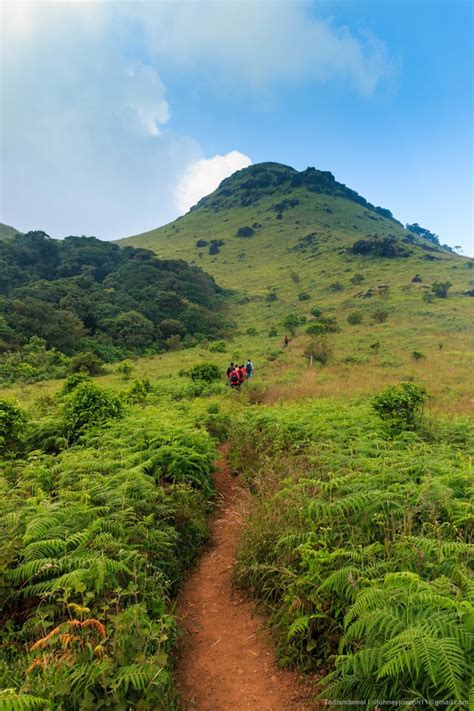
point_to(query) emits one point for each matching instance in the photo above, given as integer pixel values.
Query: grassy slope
(267, 261)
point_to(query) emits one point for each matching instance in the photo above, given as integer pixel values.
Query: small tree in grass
(401, 406)
(89, 406)
(205, 371)
(318, 350)
(290, 323)
(440, 289)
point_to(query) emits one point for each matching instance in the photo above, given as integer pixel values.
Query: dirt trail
(226, 661)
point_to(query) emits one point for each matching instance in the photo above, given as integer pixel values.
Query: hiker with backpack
(228, 372)
(249, 368)
(234, 378)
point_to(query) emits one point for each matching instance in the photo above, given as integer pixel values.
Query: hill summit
(249, 185)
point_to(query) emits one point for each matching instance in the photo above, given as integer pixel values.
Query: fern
(11, 700)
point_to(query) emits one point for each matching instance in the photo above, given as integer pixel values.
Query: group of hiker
(237, 374)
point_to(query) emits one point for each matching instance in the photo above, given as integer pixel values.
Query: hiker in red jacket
(234, 378)
(242, 373)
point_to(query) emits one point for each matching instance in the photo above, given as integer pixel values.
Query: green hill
(290, 242)
(7, 232)
(270, 228)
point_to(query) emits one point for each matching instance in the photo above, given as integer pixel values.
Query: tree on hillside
(440, 289)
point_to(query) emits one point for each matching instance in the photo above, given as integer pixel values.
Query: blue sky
(117, 117)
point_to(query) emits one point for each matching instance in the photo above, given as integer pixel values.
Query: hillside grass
(267, 263)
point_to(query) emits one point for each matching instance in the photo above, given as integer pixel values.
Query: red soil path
(226, 661)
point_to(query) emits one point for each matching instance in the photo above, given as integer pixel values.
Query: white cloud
(203, 176)
(260, 43)
(87, 137)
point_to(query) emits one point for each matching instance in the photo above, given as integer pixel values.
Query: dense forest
(61, 298)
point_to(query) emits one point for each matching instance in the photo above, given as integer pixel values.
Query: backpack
(249, 368)
(234, 377)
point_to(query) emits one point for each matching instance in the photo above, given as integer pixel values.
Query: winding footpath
(226, 660)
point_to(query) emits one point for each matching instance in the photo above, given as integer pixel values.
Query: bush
(335, 286)
(271, 297)
(73, 381)
(245, 231)
(205, 371)
(401, 405)
(251, 331)
(125, 369)
(440, 289)
(428, 297)
(316, 312)
(272, 332)
(304, 296)
(354, 318)
(357, 279)
(330, 324)
(290, 322)
(86, 363)
(418, 355)
(380, 315)
(89, 406)
(318, 350)
(218, 347)
(316, 329)
(138, 392)
(12, 425)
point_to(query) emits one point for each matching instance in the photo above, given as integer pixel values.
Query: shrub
(335, 286)
(316, 312)
(357, 279)
(73, 381)
(217, 347)
(401, 405)
(125, 369)
(380, 315)
(12, 425)
(318, 350)
(271, 297)
(245, 231)
(418, 355)
(428, 297)
(316, 329)
(251, 331)
(89, 406)
(138, 391)
(205, 371)
(330, 324)
(273, 331)
(417, 279)
(201, 243)
(354, 318)
(290, 322)
(376, 246)
(304, 296)
(295, 277)
(86, 363)
(440, 289)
